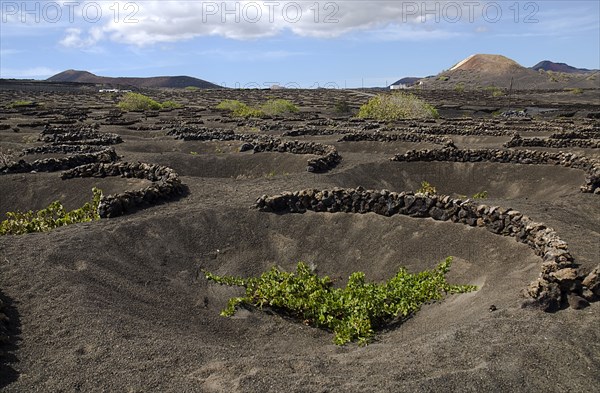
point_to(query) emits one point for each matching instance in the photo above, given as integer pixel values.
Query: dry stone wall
(397, 137)
(560, 283)
(328, 155)
(165, 185)
(530, 157)
(62, 149)
(517, 141)
(58, 164)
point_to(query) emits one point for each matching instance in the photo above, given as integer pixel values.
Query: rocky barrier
(529, 157)
(582, 134)
(165, 185)
(206, 134)
(58, 164)
(62, 149)
(398, 137)
(329, 156)
(561, 281)
(82, 137)
(557, 143)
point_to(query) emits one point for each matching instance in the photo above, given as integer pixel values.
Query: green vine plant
(352, 313)
(54, 216)
(427, 188)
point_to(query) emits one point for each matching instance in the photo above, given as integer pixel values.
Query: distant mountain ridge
(174, 82)
(408, 81)
(481, 71)
(548, 65)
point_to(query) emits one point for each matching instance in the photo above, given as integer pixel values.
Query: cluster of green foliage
(53, 216)
(396, 106)
(270, 108)
(496, 91)
(191, 88)
(459, 87)
(140, 102)
(342, 108)
(576, 90)
(277, 107)
(481, 195)
(427, 188)
(170, 105)
(443, 78)
(239, 109)
(353, 312)
(20, 103)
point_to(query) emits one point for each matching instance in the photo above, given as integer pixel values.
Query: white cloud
(75, 38)
(145, 23)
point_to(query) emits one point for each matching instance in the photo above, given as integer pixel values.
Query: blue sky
(302, 43)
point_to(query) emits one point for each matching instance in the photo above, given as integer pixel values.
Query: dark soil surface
(121, 305)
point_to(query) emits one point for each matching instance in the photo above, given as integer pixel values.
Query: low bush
(496, 91)
(342, 108)
(270, 108)
(481, 195)
(278, 107)
(138, 102)
(239, 109)
(21, 103)
(353, 312)
(170, 105)
(427, 188)
(396, 106)
(53, 216)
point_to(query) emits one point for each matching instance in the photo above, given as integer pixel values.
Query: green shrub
(576, 90)
(239, 109)
(342, 108)
(269, 108)
(459, 87)
(443, 78)
(278, 107)
(21, 103)
(481, 195)
(191, 88)
(496, 91)
(426, 188)
(138, 102)
(170, 105)
(353, 312)
(53, 216)
(396, 106)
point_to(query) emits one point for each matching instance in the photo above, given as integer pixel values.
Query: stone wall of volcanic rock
(517, 141)
(328, 155)
(62, 149)
(59, 164)
(83, 137)
(399, 137)
(560, 281)
(206, 134)
(165, 185)
(531, 157)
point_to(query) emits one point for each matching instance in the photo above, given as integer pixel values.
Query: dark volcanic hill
(409, 80)
(548, 65)
(177, 82)
(483, 70)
